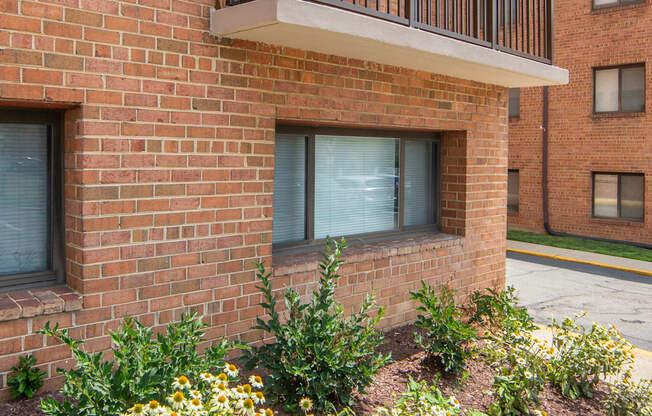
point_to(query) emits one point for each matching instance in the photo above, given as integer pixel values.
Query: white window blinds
(356, 185)
(23, 198)
(289, 188)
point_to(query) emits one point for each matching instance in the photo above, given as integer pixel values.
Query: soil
(391, 381)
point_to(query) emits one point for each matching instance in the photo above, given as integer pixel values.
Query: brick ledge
(35, 302)
(293, 262)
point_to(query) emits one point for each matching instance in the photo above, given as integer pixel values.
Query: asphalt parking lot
(557, 289)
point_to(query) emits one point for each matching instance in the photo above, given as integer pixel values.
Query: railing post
(550, 29)
(412, 11)
(491, 21)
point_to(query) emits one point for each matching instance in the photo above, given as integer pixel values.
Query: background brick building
(586, 139)
(160, 151)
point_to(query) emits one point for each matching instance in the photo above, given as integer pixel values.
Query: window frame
(620, 85)
(618, 196)
(518, 191)
(509, 101)
(402, 136)
(56, 264)
(618, 3)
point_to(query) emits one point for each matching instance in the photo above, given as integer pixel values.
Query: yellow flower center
(247, 388)
(153, 404)
(178, 397)
(269, 412)
(258, 379)
(222, 377)
(183, 380)
(248, 404)
(232, 368)
(138, 408)
(221, 399)
(196, 402)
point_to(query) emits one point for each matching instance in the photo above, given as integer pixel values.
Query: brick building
(145, 144)
(599, 128)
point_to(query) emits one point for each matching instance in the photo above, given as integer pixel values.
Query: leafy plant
(317, 353)
(210, 393)
(420, 399)
(26, 379)
(628, 399)
(521, 361)
(143, 369)
(580, 357)
(500, 310)
(446, 334)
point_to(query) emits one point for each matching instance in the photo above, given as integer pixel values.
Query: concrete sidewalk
(583, 256)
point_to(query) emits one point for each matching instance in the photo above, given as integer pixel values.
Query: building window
(598, 4)
(618, 195)
(514, 102)
(335, 182)
(512, 190)
(620, 89)
(30, 200)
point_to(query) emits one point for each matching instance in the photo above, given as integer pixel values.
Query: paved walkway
(581, 255)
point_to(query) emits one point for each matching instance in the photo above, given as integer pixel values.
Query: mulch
(392, 380)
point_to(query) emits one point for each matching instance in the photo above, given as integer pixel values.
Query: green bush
(446, 335)
(26, 379)
(500, 310)
(628, 399)
(580, 357)
(318, 353)
(143, 369)
(420, 399)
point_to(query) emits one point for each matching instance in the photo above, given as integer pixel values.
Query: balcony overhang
(304, 25)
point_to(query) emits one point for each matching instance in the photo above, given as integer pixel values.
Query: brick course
(579, 141)
(169, 144)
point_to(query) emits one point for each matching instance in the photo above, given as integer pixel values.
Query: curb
(591, 263)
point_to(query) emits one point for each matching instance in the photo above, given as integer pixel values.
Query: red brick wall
(169, 144)
(581, 142)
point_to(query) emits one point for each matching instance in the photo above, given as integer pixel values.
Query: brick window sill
(617, 114)
(618, 7)
(36, 302)
(306, 258)
(617, 221)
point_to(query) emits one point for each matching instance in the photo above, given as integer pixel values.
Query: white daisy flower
(207, 377)
(454, 402)
(181, 383)
(246, 406)
(177, 400)
(221, 402)
(258, 397)
(231, 370)
(305, 404)
(195, 405)
(138, 409)
(195, 394)
(256, 382)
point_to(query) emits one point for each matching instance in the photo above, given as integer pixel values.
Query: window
(597, 4)
(30, 199)
(618, 195)
(620, 89)
(512, 190)
(514, 102)
(335, 182)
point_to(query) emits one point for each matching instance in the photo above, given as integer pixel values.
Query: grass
(593, 246)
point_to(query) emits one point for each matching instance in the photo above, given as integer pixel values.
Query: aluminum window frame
(518, 191)
(402, 230)
(620, 88)
(56, 252)
(617, 3)
(618, 196)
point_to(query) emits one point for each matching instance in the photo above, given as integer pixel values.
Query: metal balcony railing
(518, 27)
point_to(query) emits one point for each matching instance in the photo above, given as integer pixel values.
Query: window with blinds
(29, 230)
(342, 183)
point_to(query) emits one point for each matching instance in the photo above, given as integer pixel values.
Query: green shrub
(446, 334)
(318, 353)
(143, 369)
(628, 399)
(420, 399)
(580, 357)
(26, 379)
(500, 310)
